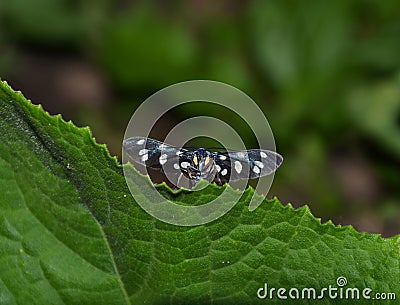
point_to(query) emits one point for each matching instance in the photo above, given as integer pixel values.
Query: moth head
(202, 160)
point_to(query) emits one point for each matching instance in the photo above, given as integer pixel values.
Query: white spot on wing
(240, 154)
(218, 168)
(222, 157)
(184, 164)
(238, 167)
(256, 169)
(145, 157)
(263, 154)
(178, 153)
(143, 151)
(140, 142)
(163, 159)
(162, 147)
(259, 164)
(224, 172)
(176, 166)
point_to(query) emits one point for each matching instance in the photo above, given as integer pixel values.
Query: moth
(186, 167)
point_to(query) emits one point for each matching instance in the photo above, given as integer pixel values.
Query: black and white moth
(187, 167)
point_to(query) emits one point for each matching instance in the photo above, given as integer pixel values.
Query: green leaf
(71, 233)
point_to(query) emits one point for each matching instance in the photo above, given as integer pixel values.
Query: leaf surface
(71, 233)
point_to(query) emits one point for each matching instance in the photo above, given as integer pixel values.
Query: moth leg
(178, 182)
(192, 183)
(217, 180)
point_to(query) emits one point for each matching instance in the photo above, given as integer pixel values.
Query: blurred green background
(326, 74)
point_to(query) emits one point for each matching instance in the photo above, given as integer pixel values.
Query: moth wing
(246, 164)
(263, 162)
(153, 154)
